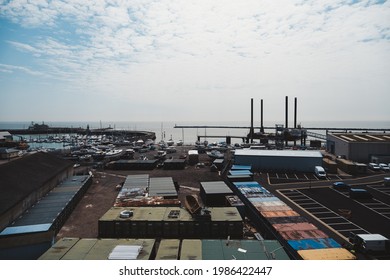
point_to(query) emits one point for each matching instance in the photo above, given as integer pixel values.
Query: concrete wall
(362, 152)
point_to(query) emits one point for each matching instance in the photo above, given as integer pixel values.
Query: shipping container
(273, 214)
(170, 222)
(241, 167)
(326, 254)
(168, 249)
(329, 165)
(191, 249)
(302, 234)
(99, 249)
(213, 193)
(308, 244)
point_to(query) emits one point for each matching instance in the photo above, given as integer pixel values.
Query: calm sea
(167, 130)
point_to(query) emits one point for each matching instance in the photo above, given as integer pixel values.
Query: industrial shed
(279, 160)
(140, 190)
(170, 222)
(24, 181)
(214, 193)
(100, 249)
(217, 249)
(359, 147)
(34, 231)
(174, 164)
(166, 249)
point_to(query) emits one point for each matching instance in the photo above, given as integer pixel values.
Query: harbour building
(360, 147)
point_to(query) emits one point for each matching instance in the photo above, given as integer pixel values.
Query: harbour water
(166, 130)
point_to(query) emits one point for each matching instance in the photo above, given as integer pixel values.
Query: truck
(370, 243)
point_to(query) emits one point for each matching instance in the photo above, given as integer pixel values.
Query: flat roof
(94, 249)
(363, 137)
(242, 250)
(278, 153)
(165, 214)
(216, 187)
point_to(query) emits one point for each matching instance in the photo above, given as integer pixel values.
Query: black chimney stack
(295, 112)
(251, 129)
(261, 117)
(286, 112)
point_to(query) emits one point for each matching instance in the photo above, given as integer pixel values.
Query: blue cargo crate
(315, 243)
(241, 167)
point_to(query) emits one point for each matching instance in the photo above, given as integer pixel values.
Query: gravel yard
(83, 222)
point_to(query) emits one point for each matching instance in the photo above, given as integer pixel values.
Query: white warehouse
(279, 160)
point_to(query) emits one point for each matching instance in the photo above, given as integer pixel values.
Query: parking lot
(290, 177)
(281, 177)
(342, 214)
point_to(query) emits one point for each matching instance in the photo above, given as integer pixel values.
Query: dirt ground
(100, 197)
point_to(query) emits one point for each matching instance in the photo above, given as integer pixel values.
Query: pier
(304, 131)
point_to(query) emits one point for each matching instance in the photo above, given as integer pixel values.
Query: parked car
(320, 172)
(384, 167)
(341, 186)
(374, 166)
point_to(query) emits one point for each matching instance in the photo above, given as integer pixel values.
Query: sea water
(166, 130)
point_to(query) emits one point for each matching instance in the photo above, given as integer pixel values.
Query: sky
(193, 60)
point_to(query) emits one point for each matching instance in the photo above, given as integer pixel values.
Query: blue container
(317, 243)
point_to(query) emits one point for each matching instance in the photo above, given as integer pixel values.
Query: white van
(320, 172)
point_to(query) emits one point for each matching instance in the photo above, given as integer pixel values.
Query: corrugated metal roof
(162, 186)
(49, 208)
(21, 177)
(327, 254)
(216, 187)
(363, 137)
(278, 153)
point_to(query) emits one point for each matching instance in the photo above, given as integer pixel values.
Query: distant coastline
(165, 130)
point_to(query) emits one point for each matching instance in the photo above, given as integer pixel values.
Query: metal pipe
(261, 117)
(251, 132)
(286, 126)
(295, 112)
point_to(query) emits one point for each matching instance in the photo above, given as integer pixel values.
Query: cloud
(6, 68)
(202, 48)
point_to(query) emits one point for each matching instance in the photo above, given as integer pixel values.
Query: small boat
(180, 143)
(170, 142)
(215, 154)
(192, 204)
